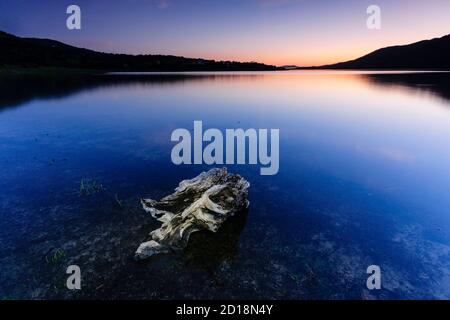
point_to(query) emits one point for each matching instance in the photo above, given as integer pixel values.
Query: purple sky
(302, 32)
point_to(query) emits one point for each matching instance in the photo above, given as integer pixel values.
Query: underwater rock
(201, 203)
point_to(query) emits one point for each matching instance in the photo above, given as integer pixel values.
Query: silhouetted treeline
(33, 53)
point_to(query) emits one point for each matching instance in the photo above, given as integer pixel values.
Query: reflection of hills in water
(16, 90)
(437, 83)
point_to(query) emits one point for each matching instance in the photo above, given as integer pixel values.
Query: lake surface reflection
(364, 179)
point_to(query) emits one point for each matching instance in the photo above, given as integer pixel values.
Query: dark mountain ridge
(33, 53)
(422, 55)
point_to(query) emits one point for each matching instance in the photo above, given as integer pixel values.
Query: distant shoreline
(13, 70)
(18, 70)
(60, 71)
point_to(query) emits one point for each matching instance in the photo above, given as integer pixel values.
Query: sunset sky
(280, 32)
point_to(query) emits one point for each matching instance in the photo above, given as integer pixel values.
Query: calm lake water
(364, 180)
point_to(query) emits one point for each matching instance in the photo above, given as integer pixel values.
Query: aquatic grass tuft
(295, 278)
(118, 201)
(58, 256)
(89, 187)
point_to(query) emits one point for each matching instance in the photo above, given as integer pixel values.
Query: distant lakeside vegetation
(19, 54)
(38, 71)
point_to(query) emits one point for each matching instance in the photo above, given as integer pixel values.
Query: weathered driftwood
(201, 203)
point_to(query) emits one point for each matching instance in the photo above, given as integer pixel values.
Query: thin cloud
(272, 3)
(162, 4)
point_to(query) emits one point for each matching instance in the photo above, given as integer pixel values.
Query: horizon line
(221, 60)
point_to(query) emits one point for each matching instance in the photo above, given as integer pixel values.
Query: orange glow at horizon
(317, 53)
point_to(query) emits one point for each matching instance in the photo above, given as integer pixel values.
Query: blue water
(364, 180)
